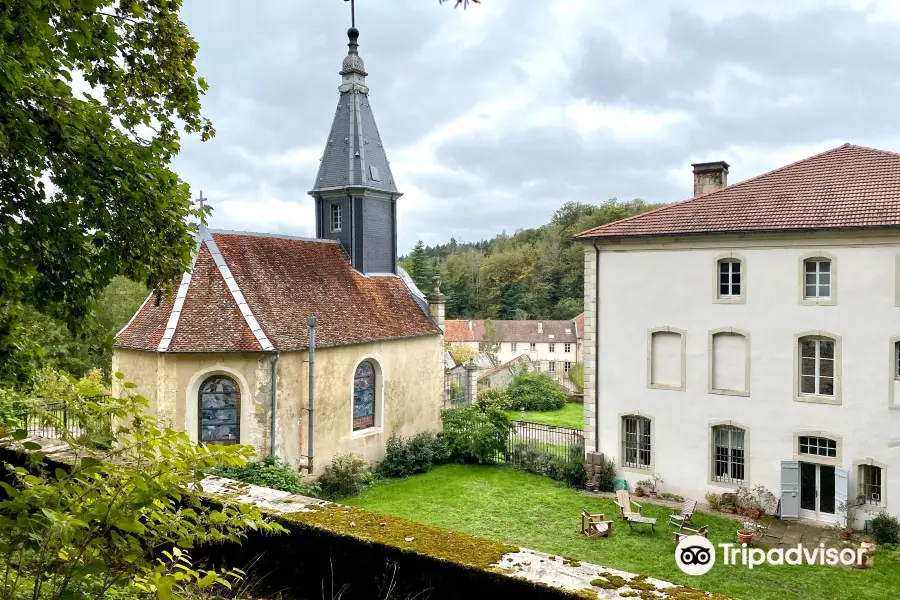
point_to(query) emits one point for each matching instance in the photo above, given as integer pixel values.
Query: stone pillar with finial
(437, 303)
(471, 382)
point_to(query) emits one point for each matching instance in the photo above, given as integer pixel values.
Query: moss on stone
(608, 581)
(403, 534)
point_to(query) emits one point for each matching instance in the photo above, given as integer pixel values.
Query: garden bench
(623, 501)
(633, 518)
(686, 514)
(595, 524)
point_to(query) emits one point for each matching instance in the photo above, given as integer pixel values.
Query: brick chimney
(710, 177)
(437, 303)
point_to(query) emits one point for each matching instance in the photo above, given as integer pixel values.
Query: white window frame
(893, 371)
(867, 491)
(532, 347)
(551, 366)
(567, 348)
(337, 218)
(552, 348)
(643, 443)
(741, 262)
(733, 428)
(818, 258)
(512, 347)
(817, 335)
(567, 366)
(858, 482)
(836, 460)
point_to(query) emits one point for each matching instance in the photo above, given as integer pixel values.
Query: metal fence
(454, 388)
(561, 442)
(50, 420)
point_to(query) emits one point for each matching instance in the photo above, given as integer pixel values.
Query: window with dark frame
(636, 442)
(729, 278)
(566, 366)
(897, 360)
(336, 217)
(219, 411)
(364, 396)
(533, 347)
(551, 366)
(817, 278)
(728, 454)
(870, 484)
(817, 446)
(552, 347)
(512, 347)
(817, 366)
(567, 348)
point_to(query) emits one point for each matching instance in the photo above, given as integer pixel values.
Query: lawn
(571, 415)
(537, 513)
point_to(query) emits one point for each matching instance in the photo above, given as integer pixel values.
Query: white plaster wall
(541, 352)
(671, 284)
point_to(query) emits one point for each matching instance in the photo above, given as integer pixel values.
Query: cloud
(495, 116)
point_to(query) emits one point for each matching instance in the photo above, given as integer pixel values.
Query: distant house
(556, 343)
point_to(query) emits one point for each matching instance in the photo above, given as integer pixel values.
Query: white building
(555, 343)
(752, 334)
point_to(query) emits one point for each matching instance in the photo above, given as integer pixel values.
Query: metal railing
(51, 419)
(564, 443)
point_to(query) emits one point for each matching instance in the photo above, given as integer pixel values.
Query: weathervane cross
(201, 199)
(352, 12)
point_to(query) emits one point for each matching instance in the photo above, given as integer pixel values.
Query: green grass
(537, 513)
(571, 415)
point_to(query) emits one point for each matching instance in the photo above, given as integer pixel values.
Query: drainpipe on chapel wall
(311, 323)
(274, 404)
(596, 348)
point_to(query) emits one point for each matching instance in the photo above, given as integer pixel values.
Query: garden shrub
(408, 456)
(496, 397)
(475, 435)
(714, 500)
(605, 475)
(347, 475)
(886, 529)
(576, 376)
(271, 473)
(532, 459)
(535, 391)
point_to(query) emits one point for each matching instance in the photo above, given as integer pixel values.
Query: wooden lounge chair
(687, 512)
(595, 524)
(686, 531)
(624, 502)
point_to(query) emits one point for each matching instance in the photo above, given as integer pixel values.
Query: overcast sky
(493, 117)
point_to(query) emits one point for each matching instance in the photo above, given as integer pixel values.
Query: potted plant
(641, 486)
(848, 510)
(755, 503)
(654, 482)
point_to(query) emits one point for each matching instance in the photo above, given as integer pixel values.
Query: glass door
(817, 492)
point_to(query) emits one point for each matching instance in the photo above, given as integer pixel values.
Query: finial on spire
(201, 200)
(352, 13)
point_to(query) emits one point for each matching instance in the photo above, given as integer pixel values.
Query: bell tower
(354, 191)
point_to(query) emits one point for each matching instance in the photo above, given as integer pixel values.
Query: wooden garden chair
(686, 531)
(623, 501)
(595, 524)
(687, 512)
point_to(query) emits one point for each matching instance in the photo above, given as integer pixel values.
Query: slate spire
(354, 191)
(354, 155)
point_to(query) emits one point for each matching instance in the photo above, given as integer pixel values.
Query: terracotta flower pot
(639, 492)
(745, 536)
(846, 534)
(739, 510)
(652, 494)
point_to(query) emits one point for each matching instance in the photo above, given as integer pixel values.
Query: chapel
(303, 348)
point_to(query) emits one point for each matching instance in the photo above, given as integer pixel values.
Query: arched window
(817, 366)
(364, 396)
(728, 454)
(220, 411)
(636, 442)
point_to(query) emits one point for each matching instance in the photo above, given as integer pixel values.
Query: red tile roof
(848, 187)
(284, 280)
(579, 326)
(457, 330)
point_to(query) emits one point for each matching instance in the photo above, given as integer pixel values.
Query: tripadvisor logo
(696, 555)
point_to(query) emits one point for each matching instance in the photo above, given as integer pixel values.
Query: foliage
(605, 475)
(755, 501)
(571, 415)
(460, 354)
(535, 391)
(420, 267)
(654, 482)
(176, 577)
(473, 434)
(644, 484)
(886, 528)
(490, 345)
(113, 206)
(533, 273)
(408, 456)
(271, 473)
(533, 459)
(347, 475)
(671, 496)
(848, 511)
(576, 376)
(714, 500)
(95, 529)
(496, 397)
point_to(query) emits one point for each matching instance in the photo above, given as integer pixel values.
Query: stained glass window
(364, 396)
(220, 411)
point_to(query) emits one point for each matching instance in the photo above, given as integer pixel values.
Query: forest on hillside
(534, 273)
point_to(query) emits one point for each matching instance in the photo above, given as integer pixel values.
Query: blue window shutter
(790, 489)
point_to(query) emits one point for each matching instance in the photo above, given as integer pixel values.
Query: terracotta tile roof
(579, 326)
(457, 330)
(284, 280)
(848, 187)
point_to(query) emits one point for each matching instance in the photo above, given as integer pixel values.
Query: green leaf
(31, 446)
(19, 434)
(129, 385)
